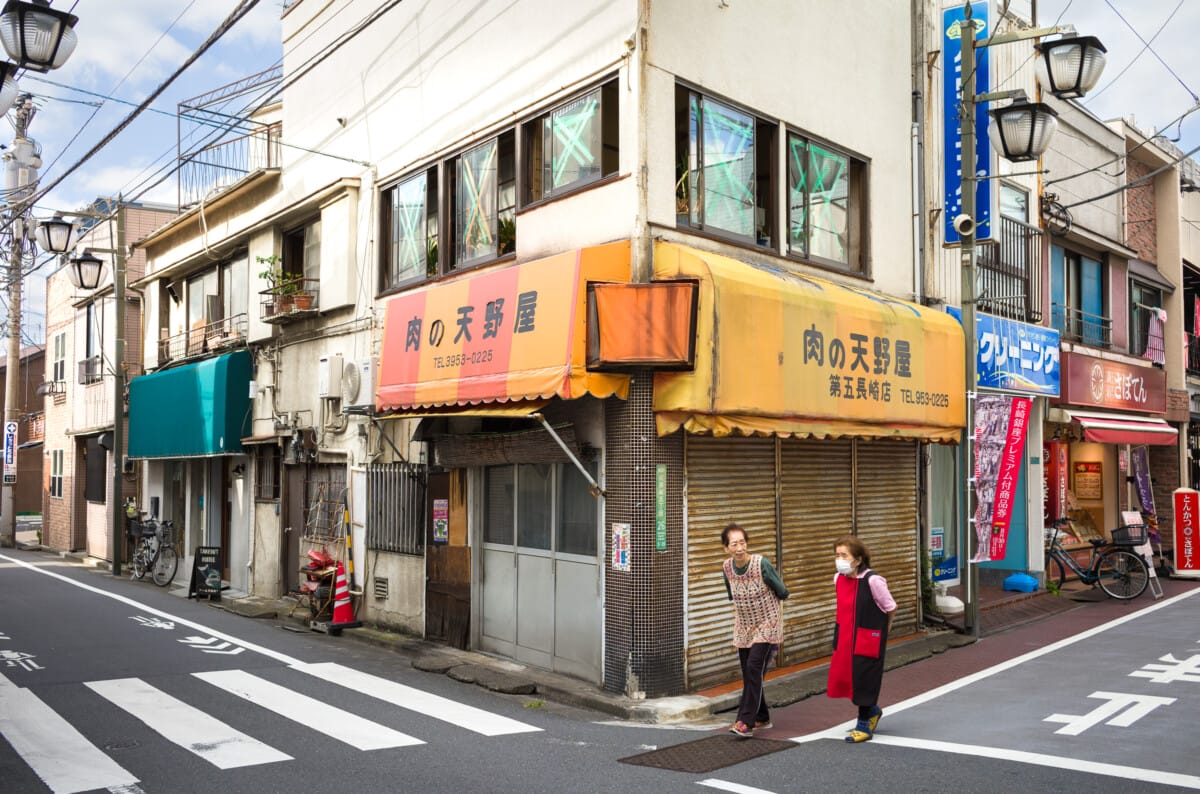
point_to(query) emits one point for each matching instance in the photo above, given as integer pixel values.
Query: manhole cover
(123, 745)
(706, 755)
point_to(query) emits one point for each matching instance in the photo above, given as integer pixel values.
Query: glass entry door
(541, 600)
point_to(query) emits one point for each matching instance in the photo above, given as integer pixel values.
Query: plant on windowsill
(506, 236)
(431, 259)
(284, 285)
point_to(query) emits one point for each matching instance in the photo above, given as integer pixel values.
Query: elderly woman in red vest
(756, 592)
(864, 616)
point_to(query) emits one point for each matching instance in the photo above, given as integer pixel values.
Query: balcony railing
(91, 370)
(203, 339)
(1078, 326)
(1010, 273)
(290, 300)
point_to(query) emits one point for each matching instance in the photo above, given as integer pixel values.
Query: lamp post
(40, 38)
(1068, 67)
(85, 271)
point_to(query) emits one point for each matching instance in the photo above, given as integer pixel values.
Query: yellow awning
(512, 333)
(792, 355)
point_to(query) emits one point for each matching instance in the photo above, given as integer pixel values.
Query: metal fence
(396, 507)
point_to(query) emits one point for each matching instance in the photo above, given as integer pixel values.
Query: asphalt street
(122, 686)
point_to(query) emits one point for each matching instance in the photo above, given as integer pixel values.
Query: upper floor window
(574, 144)
(1079, 308)
(1147, 322)
(56, 474)
(723, 168)
(1014, 202)
(484, 201)
(826, 204)
(59, 361)
(302, 251)
(410, 224)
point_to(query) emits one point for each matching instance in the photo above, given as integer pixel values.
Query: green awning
(197, 410)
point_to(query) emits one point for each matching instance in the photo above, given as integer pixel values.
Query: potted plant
(284, 285)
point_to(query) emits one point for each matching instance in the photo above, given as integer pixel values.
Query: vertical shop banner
(991, 433)
(952, 76)
(1187, 505)
(1055, 459)
(1009, 474)
(1141, 476)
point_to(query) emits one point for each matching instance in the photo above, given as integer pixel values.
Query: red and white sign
(1010, 470)
(1187, 524)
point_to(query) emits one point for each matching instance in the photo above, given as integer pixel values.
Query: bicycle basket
(1129, 535)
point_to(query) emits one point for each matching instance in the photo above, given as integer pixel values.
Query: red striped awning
(1124, 428)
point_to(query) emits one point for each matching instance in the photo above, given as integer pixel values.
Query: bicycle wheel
(138, 563)
(1055, 571)
(1122, 574)
(165, 565)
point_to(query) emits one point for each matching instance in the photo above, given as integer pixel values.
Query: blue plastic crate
(1021, 582)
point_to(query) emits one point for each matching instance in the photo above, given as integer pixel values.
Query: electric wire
(1135, 182)
(1144, 48)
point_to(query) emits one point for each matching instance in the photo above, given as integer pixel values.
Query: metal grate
(396, 507)
(381, 587)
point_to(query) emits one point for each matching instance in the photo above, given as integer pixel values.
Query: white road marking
(309, 712)
(279, 657)
(737, 788)
(426, 703)
(55, 751)
(1041, 759)
(221, 745)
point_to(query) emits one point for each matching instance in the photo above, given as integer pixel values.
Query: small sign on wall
(441, 520)
(620, 547)
(1089, 480)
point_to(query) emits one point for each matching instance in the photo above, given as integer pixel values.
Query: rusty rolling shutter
(886, 506)
(728, 479)
(817, 501)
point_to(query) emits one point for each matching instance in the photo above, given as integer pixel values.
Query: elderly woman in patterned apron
(756, 592)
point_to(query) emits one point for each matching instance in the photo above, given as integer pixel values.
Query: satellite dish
(351, 383)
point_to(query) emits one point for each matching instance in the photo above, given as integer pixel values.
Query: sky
(126, 49)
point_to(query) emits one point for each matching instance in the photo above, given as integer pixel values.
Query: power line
(1144, 48)
(1135, 182)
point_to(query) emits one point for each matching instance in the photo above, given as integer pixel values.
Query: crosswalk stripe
(188, 727)
(426, 703)
(55, 751)
(309, 712)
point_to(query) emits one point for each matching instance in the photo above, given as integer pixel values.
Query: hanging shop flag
(991, 432)
(1141, 476)
(1010, 471)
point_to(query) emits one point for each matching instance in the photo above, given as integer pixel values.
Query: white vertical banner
(10, 453)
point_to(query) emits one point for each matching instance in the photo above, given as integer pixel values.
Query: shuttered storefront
(824, 489)
(817, 498)
(886, 506)
(728, 479)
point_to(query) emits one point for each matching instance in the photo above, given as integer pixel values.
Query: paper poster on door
(441, 520)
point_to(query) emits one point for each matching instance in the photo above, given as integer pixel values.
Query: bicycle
(157, 556)
(1121, 573)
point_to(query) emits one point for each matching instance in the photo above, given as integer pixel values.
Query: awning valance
(1124, 428)
(516, 333)
(782, 353)
(196, 410)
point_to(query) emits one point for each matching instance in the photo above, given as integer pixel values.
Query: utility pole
(21, 166)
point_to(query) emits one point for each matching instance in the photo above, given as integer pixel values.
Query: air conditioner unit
(358, 384)
(329, 376)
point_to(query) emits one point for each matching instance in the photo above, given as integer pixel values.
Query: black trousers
(755, 660)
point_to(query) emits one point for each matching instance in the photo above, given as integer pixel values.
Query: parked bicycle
(1120, 572)
(155, 551)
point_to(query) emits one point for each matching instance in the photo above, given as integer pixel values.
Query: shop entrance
(540, 598)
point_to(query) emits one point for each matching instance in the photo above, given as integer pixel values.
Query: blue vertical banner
(952, 77)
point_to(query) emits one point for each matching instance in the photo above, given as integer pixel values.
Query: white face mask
(844, 567)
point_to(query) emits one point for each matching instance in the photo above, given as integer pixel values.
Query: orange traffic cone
(343, 613)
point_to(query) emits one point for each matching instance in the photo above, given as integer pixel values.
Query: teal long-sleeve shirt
(769, 576)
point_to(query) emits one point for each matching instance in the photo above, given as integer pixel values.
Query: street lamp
(85, 270)
(1067, 67)
(37, 36)
(55, 235)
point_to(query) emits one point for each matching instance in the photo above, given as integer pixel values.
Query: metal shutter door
(886, 507)
(728, 479)
(817, 501)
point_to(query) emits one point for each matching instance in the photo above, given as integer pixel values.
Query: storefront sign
(10, 453)
(1013, 356)
(1187, 524)
(1010, 472)
(620, 547)
(945, 569)
(441, 520)
(516, 333)
(660, 507)
(952, 77)
(1088, 380)
(1089, 480)
(206, 573)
